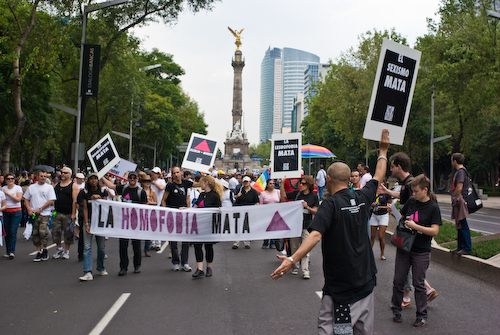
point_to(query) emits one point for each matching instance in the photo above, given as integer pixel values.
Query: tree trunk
(36, 149)
(16, 92)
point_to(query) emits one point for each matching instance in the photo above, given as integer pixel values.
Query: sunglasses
(303, 183)
(65, 172)
(9, 178)
(132, 177)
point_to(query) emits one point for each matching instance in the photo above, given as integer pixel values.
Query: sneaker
(306, 275)
(419, 322)
(186, 268)
(38, 257)
(397, 318)
(58, 254)
(235, 246)
(295, 271)
(146, 254)
(137, 269)
(198, 274)
(170, 254)
(6, 256)
(45, 255)
(176, 267)
(405, 304)
(432, 295)
(87, 277)
(454, 251)
(272, 246)
(247, 246)
(66, 254)
(264, 246)
(122, 272)
(103, 273)
(11, 255)
(209, 272)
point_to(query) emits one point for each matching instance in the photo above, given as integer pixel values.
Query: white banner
(144, 222)
(103, 156)
(122, 169)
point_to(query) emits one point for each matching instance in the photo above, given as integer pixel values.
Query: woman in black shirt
(211, 197)
(422, 215)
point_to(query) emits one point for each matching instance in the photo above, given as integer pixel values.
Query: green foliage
(448, 233)
(263, 150)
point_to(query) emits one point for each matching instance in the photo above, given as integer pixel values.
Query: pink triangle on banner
(203, 146)
(277, 223)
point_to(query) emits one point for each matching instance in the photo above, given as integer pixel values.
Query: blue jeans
(320, 192)
(463, 237)
(87, 252)
(147, 246)
(11, 221)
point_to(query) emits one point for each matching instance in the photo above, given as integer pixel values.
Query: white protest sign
(144, 222)
(122, 168)
(103, 156)
(286, 155)
(392, 92)
(200, 153)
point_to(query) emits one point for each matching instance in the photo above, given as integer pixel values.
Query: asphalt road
(47, 297)
(486, 220)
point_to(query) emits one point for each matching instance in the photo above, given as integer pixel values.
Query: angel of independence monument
(236, 144)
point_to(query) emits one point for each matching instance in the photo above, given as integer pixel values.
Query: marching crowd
(344, 209)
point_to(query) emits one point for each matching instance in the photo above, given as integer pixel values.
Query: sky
(203, 46)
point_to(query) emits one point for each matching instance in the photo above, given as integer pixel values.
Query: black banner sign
(90, 74)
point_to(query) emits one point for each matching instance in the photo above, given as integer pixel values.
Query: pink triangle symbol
(203, 146)
(202, 203)
(277, 223)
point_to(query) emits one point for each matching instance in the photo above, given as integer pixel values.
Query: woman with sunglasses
(12, 214)
(311, 204)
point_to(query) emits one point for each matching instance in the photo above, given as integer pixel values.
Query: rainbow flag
(260, 184)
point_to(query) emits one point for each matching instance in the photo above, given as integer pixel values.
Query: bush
(484, 249)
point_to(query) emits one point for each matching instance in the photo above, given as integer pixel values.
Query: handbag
(472, 199)
(403, 237)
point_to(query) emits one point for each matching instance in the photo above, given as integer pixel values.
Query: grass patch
(448, 233)
(484, 249)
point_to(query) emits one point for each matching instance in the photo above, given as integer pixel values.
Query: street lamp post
(86, 10)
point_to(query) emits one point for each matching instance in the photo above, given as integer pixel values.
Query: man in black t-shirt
(175, 197)
(400, 168)
(135, 194)
(348, 263)
(461, 187)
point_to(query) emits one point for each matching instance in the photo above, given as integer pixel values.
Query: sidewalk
(492, 202)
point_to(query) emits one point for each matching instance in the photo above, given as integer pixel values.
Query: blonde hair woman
(211, 197)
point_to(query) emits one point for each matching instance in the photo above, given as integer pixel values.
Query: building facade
(267, 88)
(312, 74)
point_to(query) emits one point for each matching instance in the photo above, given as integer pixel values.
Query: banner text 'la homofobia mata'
(143, 222)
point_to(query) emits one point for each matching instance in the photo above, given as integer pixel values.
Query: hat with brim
(224, 183)
(247, 178)
(80, 175)
(93, 174)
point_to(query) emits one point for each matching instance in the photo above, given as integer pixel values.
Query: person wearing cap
(135, 194)
(220, 176)
(152, 200)
(246, 196)
(91, 192)
(227, 195)
(80, 180)
(158, 185)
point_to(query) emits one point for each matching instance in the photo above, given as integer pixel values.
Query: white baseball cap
(247, 178)
(156, 170)
(80, 175)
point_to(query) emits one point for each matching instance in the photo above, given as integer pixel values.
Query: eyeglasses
(9, 178)
(65, 172)
(303, 183)
(132, 177)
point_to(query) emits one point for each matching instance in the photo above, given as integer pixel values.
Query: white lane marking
(320, 294)
(50, 246)
(163, 247)
(110, 314)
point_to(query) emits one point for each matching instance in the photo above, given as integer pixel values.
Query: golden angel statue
(238, 37)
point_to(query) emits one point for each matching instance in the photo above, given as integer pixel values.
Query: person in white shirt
(12, 214)
(321, 180)
(364, 171)
(233, 182)
(158, 185)
(80, 180)
(37, 200)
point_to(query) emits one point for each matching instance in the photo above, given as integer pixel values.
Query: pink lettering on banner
(144, 219)
(153, 221)
(178, 223)
(187, 223)
(125, 218)
(162, 220)
(170, 222)
(133, 219)
(194, 225)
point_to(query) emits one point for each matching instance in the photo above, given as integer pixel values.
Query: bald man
(348, 263)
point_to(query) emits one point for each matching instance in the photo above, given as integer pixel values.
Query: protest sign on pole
(103, 156)
(200, 153)
(122, 168)
(392, 92)
(286, 155)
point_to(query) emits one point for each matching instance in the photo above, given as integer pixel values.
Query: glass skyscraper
(282, 77)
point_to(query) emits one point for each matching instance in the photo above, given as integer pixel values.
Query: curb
(470, 265)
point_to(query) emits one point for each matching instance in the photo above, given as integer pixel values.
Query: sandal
(383, 258)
